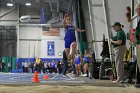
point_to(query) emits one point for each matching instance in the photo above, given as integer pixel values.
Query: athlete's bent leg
(67, 51)
(72, 48)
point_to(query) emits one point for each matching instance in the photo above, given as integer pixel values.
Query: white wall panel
(96, 2)
(34, 44)
(30, 32)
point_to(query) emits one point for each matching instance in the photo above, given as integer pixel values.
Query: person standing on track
(0, 66)
(9, 67)
(70, 38)
(65, 62)
(86, 60)
(119, 44)
(26, 67)
(78, 60)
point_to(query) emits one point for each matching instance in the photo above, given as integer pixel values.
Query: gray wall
(9, 19)
(8, 36)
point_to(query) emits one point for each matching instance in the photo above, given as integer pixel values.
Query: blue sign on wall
(51, 49)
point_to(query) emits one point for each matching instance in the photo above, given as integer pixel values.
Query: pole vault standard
(91, 22)
(108, 31)
(107, 65)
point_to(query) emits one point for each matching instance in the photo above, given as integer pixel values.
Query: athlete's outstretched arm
(78, 30)
(64, 21)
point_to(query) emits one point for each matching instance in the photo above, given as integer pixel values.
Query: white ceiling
(57, 5)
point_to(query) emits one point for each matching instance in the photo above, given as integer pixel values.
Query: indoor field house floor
(57, 83)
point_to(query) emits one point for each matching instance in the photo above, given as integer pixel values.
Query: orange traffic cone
(35, 78)
(46, 77)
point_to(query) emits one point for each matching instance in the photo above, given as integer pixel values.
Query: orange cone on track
(46, 77)
(35, 78)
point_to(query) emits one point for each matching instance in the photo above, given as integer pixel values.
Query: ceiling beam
(53, 1)
(50, 5)
(69, 6)
(58, 5)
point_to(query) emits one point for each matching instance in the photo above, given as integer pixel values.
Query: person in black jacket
(105, 51)
(65, 63)
(3, 66)
(0, 66)
(137, 35)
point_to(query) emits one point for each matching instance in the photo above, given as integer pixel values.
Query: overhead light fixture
(10, 4)
(28, 4)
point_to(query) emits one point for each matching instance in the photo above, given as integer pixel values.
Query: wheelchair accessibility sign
(51, 49)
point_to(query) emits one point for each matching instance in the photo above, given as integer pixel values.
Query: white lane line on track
(73, 81)
(55, 76)
(9, 81)
(11, 78)
(70, 76)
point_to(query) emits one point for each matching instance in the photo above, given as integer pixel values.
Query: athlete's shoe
(83, 75)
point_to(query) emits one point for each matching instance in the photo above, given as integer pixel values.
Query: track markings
(55, 76)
